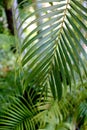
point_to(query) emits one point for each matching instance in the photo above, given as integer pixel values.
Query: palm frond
(18, 116)
(22, 115)
(46, 114)
(81, 117)
(53, 45)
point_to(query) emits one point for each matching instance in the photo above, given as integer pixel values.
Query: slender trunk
(8, 11)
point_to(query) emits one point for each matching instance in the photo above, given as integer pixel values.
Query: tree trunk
(8, 11)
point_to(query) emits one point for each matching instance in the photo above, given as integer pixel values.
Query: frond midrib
(56, 42)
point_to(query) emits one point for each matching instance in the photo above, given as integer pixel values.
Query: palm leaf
(54, 45)
(22, 115)
(81, 115)
(18, 116)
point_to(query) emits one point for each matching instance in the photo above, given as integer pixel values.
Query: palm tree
(49, 66)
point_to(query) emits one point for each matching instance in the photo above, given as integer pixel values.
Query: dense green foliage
(43, 73)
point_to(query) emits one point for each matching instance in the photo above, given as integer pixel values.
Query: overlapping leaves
(52, 43)
(50, 57)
